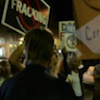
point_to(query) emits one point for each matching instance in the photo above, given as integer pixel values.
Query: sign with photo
(24, 15)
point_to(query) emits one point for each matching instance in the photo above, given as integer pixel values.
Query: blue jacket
(34, 83)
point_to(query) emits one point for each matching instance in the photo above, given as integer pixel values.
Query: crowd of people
(36, 71)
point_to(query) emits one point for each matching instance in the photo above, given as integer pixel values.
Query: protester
(54, 66)
(91, 80)
(34, 82)
(5, 71)
(74, 63)
(88, 77)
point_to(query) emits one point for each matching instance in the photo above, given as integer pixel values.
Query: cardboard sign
(95, 4)
(87, 19)
(84, 11)
(89, 34)
(24, 15)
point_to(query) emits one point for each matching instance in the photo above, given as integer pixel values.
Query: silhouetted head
(6, 68)
(74, 63)
(39, 45)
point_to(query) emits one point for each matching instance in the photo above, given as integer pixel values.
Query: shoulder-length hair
(39, 45)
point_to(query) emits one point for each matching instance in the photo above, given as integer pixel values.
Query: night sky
(61, 10)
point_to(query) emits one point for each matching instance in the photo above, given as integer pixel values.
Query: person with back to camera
(34, 82)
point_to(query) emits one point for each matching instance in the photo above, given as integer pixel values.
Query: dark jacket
(34, 83)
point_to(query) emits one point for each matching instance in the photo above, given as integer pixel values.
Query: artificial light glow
(20, 42)
(10, 45)
(21, 39)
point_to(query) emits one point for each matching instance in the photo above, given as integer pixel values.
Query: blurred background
(10, 39)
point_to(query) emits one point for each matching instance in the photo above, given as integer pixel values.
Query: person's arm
(64, 72)
(65, 62)
(15, 59)
(88, 77)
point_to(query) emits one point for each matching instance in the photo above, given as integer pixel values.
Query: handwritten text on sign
(89, 34)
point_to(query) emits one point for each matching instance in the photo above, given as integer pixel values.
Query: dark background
(61, 10)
